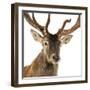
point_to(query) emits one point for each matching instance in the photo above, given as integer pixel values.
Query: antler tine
(73, 28)
(29, 19)
(62, 28)
(66, 21)
(46, 26)
(41, 27)
(48, 21)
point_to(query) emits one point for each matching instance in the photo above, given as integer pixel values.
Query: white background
(5, 45)
(32, 48)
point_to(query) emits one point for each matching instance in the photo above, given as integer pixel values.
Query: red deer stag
(46, 63)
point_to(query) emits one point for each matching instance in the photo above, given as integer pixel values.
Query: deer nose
(55, 57)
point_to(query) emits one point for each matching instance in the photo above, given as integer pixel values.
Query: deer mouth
(56, 59)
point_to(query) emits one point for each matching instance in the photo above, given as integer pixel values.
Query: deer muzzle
(55, 58)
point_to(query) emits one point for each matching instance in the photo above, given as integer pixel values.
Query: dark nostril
(54, 57)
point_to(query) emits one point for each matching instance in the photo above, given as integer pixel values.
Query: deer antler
(61, 29)
(48, 21)
(32, 21)
(72, 29)
(36, 23)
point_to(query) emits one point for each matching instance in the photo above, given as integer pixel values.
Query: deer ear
(36, 36)
(66, 39)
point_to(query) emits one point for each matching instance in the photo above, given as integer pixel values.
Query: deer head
(51, 42)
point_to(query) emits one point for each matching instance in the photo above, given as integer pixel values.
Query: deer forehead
(51, 37)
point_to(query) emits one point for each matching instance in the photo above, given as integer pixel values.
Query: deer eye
(45, 43)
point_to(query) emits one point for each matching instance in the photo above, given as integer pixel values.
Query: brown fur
(40, 67)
